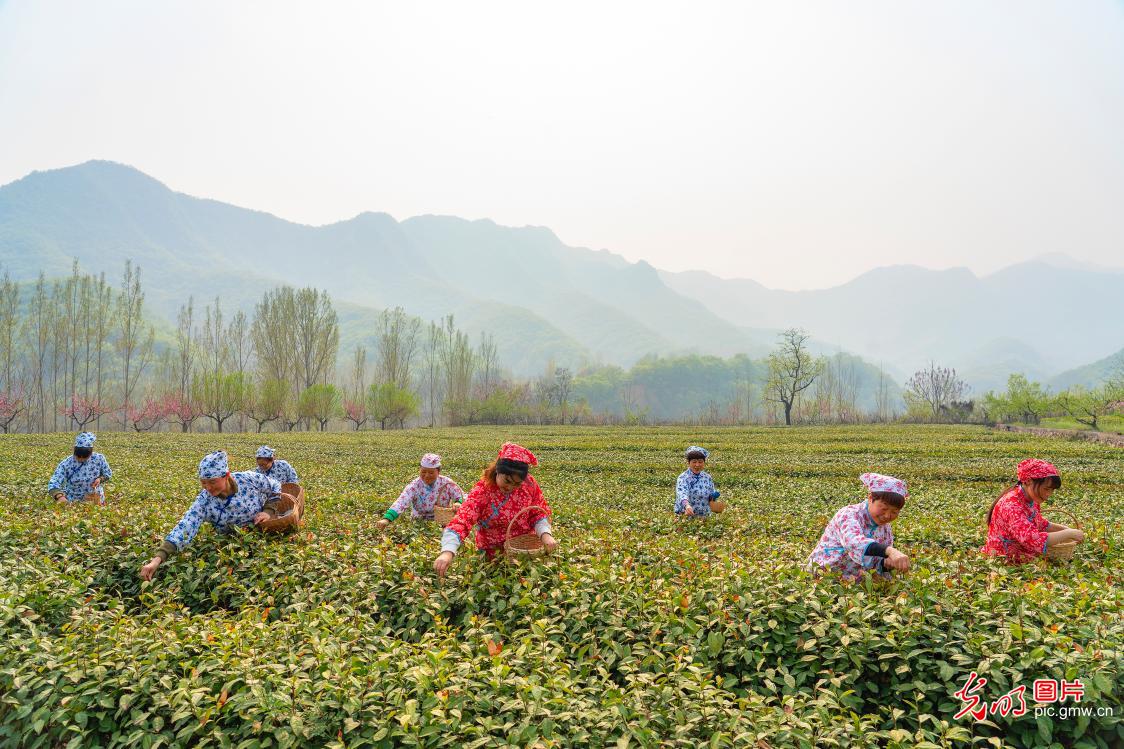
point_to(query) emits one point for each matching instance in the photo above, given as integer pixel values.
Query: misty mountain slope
(912, 315)
(988, 367)
(537, 270)
(1092, 374)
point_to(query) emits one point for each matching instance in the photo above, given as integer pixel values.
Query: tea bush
(644, 630)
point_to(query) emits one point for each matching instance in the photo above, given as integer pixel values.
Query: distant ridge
(542, 299)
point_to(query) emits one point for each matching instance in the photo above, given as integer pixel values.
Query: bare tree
(73, 326)
(488, 354)
(214, 347)
(241, 343)
(397, 345)
(882, 395)
(241, 346)
(745, 396)
(101, 314)
(37, 331)
(937, 388)
(274, 335)
(824, 391)
(359, 374)
(317, 331)
(458, 361)
(434, 346)
(792, 370)
(133, 344)
(9, 329)
(86, 304)
(295, 336)
(185, 347)
(563, 385)
(632, 395)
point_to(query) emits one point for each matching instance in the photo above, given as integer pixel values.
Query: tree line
(1028, 402)
(79, 353)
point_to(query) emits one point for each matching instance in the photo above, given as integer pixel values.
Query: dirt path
(1073, 434)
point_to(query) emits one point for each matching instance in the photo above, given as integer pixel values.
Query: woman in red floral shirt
(504, 489)
(1016, 529)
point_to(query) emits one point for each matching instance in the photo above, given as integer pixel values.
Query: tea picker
(425, 494)
(859, 538)
(230, 502)
(275, 468)
(81, 476)
(507, 508)
(694, 489)
(1016, 529)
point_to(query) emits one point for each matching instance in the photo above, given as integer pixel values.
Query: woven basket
(290, 510)
(525, 545)
(717, 506)
(1064, 552)
(445, 515)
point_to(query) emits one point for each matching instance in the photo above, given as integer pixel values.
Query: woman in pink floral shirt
(1016, 529)
(859, 538)
(430, 489)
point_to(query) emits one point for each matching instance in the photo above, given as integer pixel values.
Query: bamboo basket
(717, 506)
(525, 545)
(445, 515)
(1064, 552)
(290, 510)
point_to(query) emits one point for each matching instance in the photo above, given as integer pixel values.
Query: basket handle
(511, 522)
(1077, 523)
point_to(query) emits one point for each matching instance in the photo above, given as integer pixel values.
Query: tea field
(642, 631)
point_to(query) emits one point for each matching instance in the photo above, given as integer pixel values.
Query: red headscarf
(1035, 469)
(512, 451)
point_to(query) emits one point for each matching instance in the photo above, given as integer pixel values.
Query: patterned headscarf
(265, 451)
(697, 449)
(512, 451)
(431, 460)
(85, 439)
(215, 465)
(1035, 469)
(876, 482)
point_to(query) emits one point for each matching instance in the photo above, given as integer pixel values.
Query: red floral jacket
(1017, 530)
(487, 508)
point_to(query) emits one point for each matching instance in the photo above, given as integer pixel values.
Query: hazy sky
(795, 143)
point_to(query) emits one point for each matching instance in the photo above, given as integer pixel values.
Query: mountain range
(543, 300)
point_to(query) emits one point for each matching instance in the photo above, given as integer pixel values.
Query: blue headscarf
(214, 465)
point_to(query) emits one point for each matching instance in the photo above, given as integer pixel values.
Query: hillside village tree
(792, 370)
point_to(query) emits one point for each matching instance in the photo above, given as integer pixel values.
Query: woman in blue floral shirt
(228, 501)
(81, 474)
(274, 468)
(694, 488)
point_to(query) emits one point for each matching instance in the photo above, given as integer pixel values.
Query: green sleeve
(167, 550)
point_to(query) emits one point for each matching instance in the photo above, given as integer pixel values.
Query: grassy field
(643, 630)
